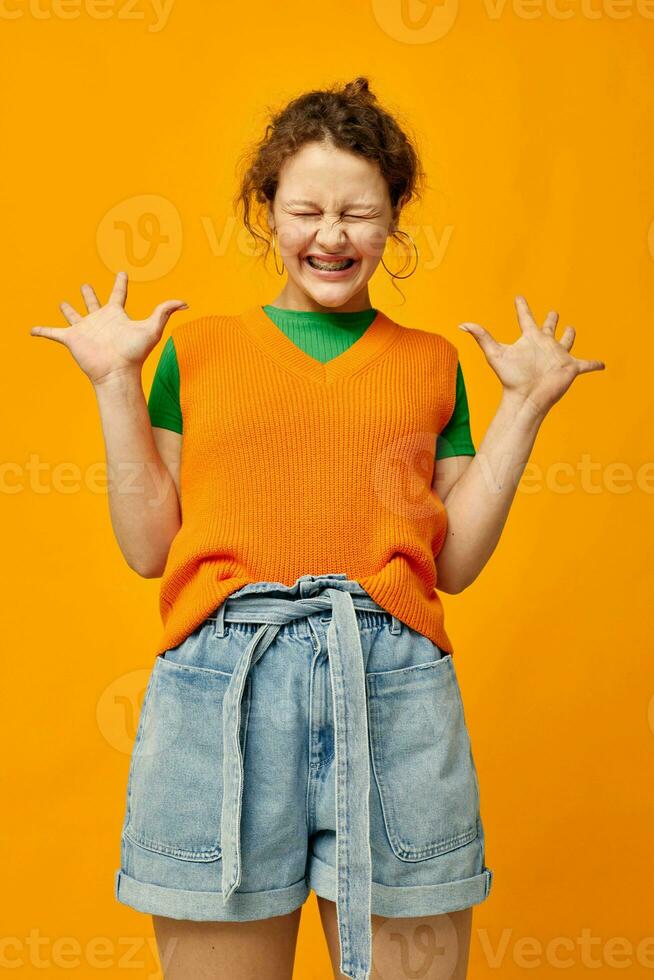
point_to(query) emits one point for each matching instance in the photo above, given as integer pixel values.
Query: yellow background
(535, 125)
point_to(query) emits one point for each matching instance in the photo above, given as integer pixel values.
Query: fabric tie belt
(312, 594)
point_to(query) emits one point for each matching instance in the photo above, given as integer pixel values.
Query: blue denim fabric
(303, 738)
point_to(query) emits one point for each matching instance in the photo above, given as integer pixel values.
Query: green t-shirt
(321, 336)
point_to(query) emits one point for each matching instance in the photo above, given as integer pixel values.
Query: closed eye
(313, 214)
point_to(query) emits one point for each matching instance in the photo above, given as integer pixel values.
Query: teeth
(328, 266)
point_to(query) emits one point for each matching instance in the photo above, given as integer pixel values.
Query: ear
(270, 217)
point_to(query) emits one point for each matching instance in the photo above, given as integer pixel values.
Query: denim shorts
(301, 738)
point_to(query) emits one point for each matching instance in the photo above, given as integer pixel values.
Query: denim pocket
(422, 759)
(176, 776)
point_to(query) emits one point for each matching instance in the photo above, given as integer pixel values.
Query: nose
(330, 236)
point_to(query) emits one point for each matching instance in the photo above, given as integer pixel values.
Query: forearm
(143, 502)
(479, 502)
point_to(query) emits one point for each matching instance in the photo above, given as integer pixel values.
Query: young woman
(303, 726)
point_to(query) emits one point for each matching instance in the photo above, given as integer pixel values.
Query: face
(331, 216)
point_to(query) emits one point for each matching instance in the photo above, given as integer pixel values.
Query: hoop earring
(392, 274)
(279, 271)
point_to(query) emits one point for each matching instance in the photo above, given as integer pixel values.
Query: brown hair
(351, 119)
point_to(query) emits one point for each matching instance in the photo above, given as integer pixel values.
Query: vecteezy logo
(143, 235)
(120, 706)
(417, 949)
(402, 477)
(415, 21)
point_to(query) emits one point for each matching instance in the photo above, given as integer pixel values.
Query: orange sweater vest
(290, 467)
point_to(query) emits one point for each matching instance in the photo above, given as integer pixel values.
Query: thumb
(59, 334)
(161, 312)
(487, 343)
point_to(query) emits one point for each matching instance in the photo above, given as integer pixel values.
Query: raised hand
(106, 343)
(537, 366)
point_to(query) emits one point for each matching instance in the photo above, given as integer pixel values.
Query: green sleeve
(456, 439)
(163, 402)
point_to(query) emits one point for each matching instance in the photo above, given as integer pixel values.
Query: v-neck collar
(373, 342)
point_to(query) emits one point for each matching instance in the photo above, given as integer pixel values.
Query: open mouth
(338, 265)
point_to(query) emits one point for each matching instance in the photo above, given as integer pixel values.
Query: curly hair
(348, 117)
